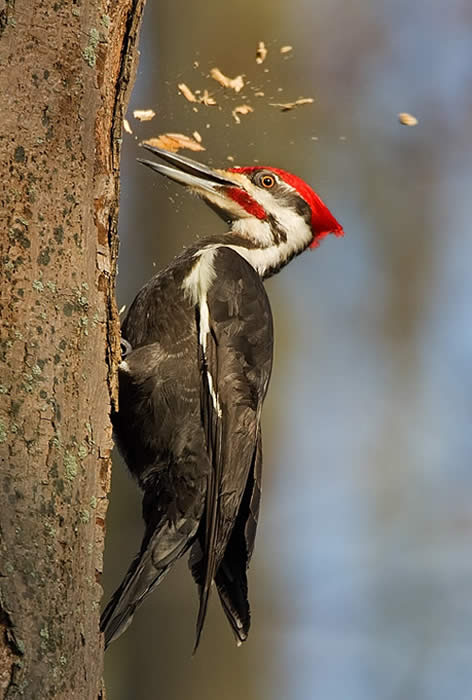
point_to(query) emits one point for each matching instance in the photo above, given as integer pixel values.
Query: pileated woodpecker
(197, 358)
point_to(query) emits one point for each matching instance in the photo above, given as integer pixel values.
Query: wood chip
(127, 127)
(286, 106)
(235, 84)
(242, 109)
(144, 115)
(407, 119)
(207, 100)
(174, 142)
(261, 53)
(286, 49)
(186, 92)
(197, 137)
(259, 93)
(230, 158)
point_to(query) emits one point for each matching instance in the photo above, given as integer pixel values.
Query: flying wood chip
(186, 92)
(235, 84)
(207, 99)
(242, 109)
(174, 142)
(287, 106)
(144, 115)
(261, 53)
(407, 119)
(286, 49)
(127, 127)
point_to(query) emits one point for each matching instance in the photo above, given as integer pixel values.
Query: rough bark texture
(65, 70)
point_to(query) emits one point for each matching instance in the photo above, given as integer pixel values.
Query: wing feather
(234, 325)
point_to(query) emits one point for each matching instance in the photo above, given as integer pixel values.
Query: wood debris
(197, 137)
(242, 109)
(186, 92)
(144, 115)
(235, 84)
(127, 127)
(259, 93)
(174, 142)
(407, 119)
(286, 106)
(286, 49)
(261, 53)
(207, 100)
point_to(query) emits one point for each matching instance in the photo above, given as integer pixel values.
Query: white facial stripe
(196, 286)
(256, 230)
(299, 236)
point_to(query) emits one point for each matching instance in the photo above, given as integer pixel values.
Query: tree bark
(65, 72)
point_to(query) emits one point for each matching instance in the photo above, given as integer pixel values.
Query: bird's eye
(266, 180)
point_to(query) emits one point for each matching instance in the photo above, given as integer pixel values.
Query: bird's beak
(186, 171)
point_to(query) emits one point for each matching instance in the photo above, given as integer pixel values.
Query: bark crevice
(66, 78)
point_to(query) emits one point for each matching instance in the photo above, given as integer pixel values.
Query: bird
(197, 348)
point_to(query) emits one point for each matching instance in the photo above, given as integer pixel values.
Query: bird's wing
(174, 485)
(235, 337)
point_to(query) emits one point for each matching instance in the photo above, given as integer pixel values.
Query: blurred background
(361, 582)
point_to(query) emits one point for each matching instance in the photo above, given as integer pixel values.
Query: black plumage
(200, 472)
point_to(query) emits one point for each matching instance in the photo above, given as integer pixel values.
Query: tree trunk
(65, 71)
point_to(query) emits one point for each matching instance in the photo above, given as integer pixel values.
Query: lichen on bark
(67, 71)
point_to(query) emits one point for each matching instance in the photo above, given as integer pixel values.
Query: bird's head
(274, 215)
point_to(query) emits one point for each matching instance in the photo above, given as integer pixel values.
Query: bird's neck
(270, 244)
(266, 245)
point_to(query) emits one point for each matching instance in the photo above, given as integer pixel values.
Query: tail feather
(231, 582)
(233, 596)
(119, 612)
(158, 553)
